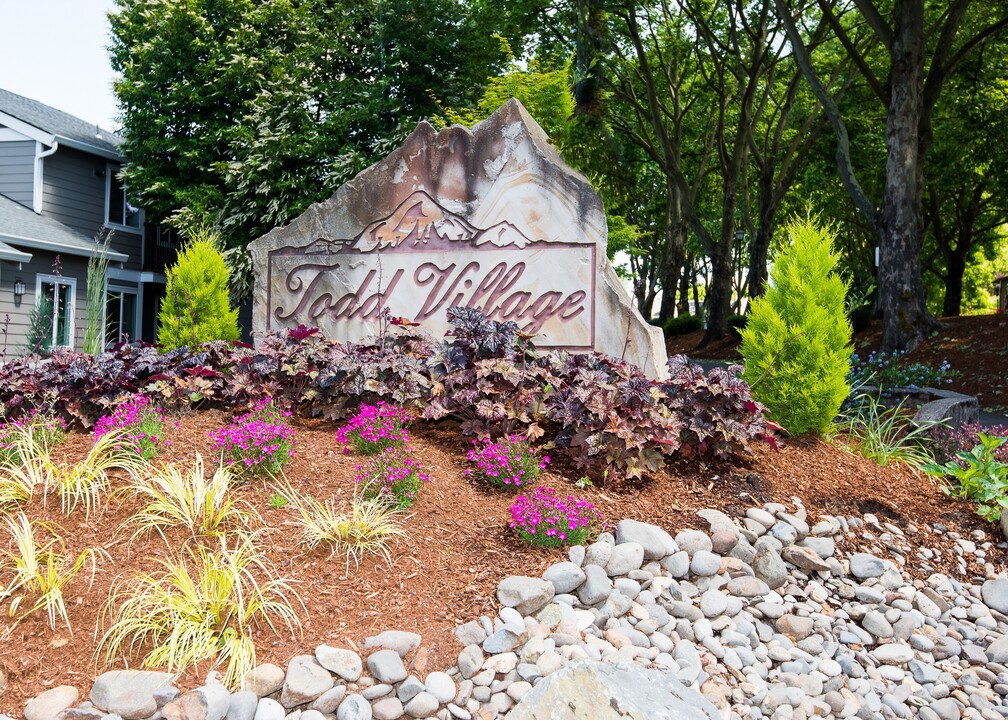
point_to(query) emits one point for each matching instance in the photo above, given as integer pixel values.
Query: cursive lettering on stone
(498, 293)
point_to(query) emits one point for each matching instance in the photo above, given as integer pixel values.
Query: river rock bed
(772, 615)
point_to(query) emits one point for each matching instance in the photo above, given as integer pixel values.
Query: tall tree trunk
(588, 59)
(684, 288)
(718, 300)
(675, 241)
(906, 320)
(759, 245)
(952, 305)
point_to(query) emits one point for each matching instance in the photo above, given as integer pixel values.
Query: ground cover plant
(884, 434)
(259, 442)
(174, 496)
(947, 442)
(889, 371)
(375, 428)
(142, 424)
(604, 414)
(508, 463)
(978, 475)
(40, 570)
(391, 476)
(546, 519)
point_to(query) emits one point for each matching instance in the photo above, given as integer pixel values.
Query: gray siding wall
(17, 326)
(75, 195)
(17, 170)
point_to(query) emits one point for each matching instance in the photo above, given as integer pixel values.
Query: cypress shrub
(196, 307)
(796, 345)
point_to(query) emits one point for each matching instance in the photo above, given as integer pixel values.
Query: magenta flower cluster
(391, 476)
(47, 428)
(375, 428)
(508, 462)
(543, 518)
(143, 423)
(258, 441)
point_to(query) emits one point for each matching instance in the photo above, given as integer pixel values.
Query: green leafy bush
(736, 324)
(796, 344)
(979, 476)
(196, 308)
(683, 325)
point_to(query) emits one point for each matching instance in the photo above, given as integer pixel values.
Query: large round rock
(525, 594)
(656, 542)
(588, 689)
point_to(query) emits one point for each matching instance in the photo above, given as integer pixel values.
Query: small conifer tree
(796, 345)
(196, 308)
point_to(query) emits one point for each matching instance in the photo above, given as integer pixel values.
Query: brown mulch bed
(976, 346)
(458, 547)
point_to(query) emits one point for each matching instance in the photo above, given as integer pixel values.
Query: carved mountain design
(420, 222)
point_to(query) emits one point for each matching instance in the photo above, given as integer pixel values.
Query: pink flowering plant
(391, 476)
(143, 423)
(543, 518)
(47, 428)
(508, 463)
(375, 428)
(259, 442)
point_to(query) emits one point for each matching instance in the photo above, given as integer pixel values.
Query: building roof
(64, 127)
(10, 254)
(22, 228)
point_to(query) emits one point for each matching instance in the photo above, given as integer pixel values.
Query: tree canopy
(704, 125)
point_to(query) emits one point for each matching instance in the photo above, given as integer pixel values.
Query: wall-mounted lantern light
(19, 289)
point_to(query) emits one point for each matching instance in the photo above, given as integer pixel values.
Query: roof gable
(66, 128)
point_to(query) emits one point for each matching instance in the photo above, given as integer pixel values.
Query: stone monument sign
(489, 218)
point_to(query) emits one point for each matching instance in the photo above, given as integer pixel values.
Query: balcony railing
(161, 246)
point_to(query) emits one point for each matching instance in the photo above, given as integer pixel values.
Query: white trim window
(62, 291)
(119, 212)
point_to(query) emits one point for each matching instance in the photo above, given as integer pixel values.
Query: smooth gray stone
(625, 558)
(386, 666)
(242, 706)
(270, 709)
(305, 681)
(470, 660)
(677, 564)
(864, 566)
(693, 541)
(50, 703)
(387, 708)
(657, 543)
(770, 568)
(403, 643)
(995, 594)
(501, 641)
(527, 595)
(565, 576)
(129, 693)
(422, 705)
(328, 701)
(705, 564)
(354, 707)
(597, 586)
(441, 686)
(345, 663)
(410, 688)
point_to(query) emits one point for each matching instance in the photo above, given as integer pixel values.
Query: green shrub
(683, 325)
(979, 476)
(796, 345)
(736, 324)
(196, 307)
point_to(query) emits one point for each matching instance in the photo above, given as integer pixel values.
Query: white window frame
(110, 170)
(115, 278)
(70, 282)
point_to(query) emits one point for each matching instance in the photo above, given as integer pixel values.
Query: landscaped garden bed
(620, 445)
(458, 544)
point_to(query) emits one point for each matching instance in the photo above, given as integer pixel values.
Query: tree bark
(906, 319)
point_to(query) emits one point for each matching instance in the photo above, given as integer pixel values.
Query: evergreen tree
(196, 308)
(796, 344)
